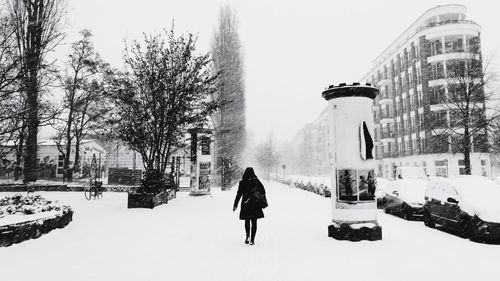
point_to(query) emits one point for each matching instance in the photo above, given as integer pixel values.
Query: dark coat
(249, 208)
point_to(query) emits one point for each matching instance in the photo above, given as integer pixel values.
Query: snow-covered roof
(48, 142)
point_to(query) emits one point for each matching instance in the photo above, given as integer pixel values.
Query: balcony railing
(433, 24)
(384, 96)
(387, 135)
(387, 115)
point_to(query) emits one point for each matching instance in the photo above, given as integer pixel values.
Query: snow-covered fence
(61, 187)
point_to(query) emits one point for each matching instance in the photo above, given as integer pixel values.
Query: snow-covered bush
(31, 204)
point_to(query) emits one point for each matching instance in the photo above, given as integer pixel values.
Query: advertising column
(354, 206)
(201, 161)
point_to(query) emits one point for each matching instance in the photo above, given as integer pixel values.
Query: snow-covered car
(468, 204)
(379, 191)
(327, 192)
(405, 197)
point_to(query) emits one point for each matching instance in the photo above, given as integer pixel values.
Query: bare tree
(83, 102)
(267, 156)
(229, 120)
(37, 26)
(10, 108)
(466, 111)
(91, 116)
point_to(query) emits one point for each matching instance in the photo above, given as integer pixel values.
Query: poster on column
(204, 179)
(347, 186)
(355, 185)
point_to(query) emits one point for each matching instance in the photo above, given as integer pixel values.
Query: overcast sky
(292, 49)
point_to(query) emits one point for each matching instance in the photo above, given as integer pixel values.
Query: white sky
(293, 49)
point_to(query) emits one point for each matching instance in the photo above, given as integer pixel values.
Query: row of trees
(166, 89)
(30, 30)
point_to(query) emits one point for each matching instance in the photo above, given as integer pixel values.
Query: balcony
(389, 155)
(387, 135)
(466, 54)
(385, 99)
(386, 115)
(435, 24)
(384, 81)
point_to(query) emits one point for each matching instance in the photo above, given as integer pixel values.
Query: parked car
(405, 197)
(379, 191)
(327, 192)
(410, 173)
(468, 204)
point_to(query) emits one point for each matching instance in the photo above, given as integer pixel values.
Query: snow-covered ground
(200, 238)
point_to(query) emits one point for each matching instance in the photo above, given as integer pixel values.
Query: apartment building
(411, 74)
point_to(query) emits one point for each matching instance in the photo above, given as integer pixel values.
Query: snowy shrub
(153, 182)
(19, 204)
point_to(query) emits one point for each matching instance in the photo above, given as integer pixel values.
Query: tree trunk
(76, 164)
(32, 120)
(68, 174)
(20, 152)
(467, 150)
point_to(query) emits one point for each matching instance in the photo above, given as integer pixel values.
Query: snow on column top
(354, 90)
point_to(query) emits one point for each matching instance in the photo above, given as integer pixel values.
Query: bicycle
(94, 190)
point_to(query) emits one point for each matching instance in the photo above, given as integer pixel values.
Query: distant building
(120, 156)
(411, 72)
(309, 152)
(48, 155)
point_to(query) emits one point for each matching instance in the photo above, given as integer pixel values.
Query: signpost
(284, 168)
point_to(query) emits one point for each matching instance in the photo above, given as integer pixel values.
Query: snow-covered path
(200, 238)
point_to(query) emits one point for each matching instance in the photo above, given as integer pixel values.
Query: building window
(454, 44)
(449, 17)
(436, 47)
(424, 166)
(483, 168)
(60, 162)
(420, 122)
(438, 119)
(437, 95)
(419, 99)
(461, 167)
(437, 70)
(422, 145)
(441, 168)
(473, 44)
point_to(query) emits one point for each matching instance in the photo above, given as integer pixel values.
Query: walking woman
(250, 210)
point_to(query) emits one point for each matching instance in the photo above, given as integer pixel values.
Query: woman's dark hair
(249, 174)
